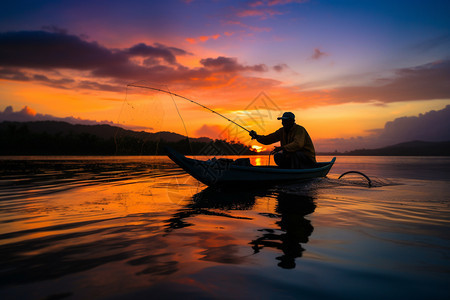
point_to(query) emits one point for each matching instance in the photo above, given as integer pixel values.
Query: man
(296, 150)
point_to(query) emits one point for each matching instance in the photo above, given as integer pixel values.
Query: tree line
(20, 139)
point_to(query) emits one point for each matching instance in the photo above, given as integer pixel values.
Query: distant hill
(413, 148)
(61, 138)
(102, 130)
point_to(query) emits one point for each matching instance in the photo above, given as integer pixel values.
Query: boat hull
(217, 173)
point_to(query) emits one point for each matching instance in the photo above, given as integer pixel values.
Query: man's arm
(267, 139)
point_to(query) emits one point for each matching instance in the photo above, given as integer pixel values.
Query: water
(140, 228)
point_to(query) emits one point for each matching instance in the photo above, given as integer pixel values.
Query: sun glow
(258, 148)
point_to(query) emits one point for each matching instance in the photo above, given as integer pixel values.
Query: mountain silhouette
(412, 148)
(61, 138)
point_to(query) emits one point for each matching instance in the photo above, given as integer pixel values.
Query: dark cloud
(168, 54)
(13, 74)
(93, 85)
(174, 50)
(58, 83)
(433, 126)
(55, 29)
(230, 64)
(59, 50)
(170, 74)
(24, 52)
(430, 81)
(16, 75)
(154, 73)
(280, 67)
(47, 50)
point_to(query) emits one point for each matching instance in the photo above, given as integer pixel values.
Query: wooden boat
(220, 172)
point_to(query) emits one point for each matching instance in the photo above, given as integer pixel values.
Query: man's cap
(287, 116)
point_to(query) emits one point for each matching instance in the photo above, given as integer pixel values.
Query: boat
(228, 172)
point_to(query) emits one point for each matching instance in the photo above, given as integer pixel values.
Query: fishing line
(182, 121)
(144, 84)
(126, 118)
(118, 120)
(192, 101)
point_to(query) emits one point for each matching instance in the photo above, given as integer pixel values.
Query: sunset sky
(345, 68)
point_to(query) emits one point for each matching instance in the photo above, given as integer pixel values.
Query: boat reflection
(210, 200)
(292, 229)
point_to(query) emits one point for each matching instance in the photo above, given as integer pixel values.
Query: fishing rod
(192, 101)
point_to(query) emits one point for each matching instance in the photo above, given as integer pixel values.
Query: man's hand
(276, 150)
(253, 134)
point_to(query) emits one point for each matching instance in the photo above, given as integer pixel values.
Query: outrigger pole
(182, 97)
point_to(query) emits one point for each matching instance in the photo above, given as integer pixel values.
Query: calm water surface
(140, 228)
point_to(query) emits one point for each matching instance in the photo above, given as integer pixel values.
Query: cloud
(168, 54)
(16, 75)
(27, 114)
(56, 29)
(318, 54)
(203, 38)
(263, 10)
(420, 83)
(283, 2)
(433, 43)
(280, 67)
(274, 2)
(211, 131)
(249, 27)
(230, 64)
(256, 3)
(262, 13)
(433, 126)
(24, 115)
(47, 50)
(58, 83)
(48, 57)
(426, 82)
(93, 85)
(13, 74)
(32, 55)
(27, 111)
